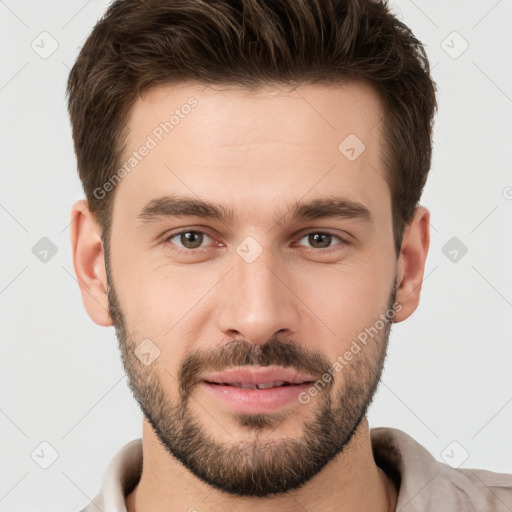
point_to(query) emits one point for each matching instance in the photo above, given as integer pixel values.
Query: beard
(254, 467)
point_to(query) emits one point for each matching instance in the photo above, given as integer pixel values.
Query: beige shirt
(425, 485)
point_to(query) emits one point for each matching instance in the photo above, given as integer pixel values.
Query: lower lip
(253, 401)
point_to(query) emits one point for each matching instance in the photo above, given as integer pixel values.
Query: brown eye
(321, 240)
(188, 239)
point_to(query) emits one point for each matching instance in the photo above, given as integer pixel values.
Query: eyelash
(200, 251)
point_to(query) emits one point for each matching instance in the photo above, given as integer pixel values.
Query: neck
(350, 482)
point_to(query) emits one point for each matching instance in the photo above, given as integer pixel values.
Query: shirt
(424, 484)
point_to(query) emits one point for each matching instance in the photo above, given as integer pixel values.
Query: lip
(252, 400)
(254, 375)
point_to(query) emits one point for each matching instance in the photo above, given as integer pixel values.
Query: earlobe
(89, 263)
(411, 263)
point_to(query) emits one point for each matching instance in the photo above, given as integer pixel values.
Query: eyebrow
(182, 206)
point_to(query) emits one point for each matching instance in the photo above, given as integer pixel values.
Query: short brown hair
(140, 44)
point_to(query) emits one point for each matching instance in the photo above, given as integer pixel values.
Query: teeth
(268, 385)
(263, 385)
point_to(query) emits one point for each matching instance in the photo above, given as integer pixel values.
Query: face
(252, 247)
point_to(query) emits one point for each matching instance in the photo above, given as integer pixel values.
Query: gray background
(447, 379)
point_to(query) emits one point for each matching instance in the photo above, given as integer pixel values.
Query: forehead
(220, 116)
(237, 146)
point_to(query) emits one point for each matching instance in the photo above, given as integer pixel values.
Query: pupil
(324, 239)
(187, 239)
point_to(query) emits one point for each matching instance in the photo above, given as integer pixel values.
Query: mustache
(286, 354)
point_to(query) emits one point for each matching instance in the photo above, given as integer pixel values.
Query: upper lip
(251, 375)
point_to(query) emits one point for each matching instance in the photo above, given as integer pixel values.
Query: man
(252, 229)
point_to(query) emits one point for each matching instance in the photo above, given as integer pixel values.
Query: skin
(256, 153)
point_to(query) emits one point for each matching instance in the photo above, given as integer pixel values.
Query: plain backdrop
(65, 403)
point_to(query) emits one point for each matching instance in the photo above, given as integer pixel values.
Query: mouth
(258, 377)
(260, 385)
(257, 390)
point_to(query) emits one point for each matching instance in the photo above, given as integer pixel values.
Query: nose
(256, 300)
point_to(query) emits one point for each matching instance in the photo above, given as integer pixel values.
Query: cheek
(161, 299)
(344, 301)
(167, 306)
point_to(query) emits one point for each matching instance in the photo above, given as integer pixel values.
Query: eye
(187, 240)
(321, 240)
(192, 241)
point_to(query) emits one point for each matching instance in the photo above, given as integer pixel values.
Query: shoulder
(119, 478)
(425, 484)
(494, 489)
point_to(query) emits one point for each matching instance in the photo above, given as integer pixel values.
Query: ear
(411, 263)
(89, 263)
